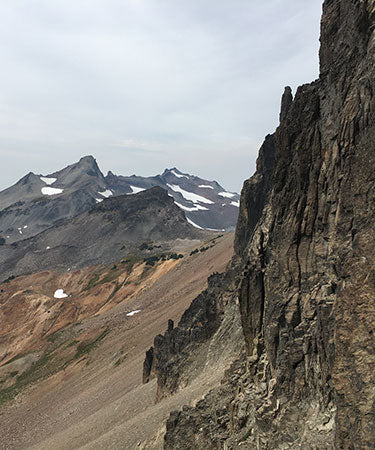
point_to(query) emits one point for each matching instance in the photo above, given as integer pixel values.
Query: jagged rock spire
(286, 101)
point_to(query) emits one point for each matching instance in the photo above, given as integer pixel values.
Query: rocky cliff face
(305, 266)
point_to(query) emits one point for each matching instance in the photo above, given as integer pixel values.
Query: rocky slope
(305, 268)
(206, 204)
(38, 202)
(35, 202)
(70, 367)
(109, 231)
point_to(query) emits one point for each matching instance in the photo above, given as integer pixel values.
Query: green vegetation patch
(86, 347)
(12, 277)
(93, 282)
(152, 260)
(48, 364)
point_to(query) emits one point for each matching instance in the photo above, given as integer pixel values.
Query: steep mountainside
(37, 202)
(304, 270)
(206, 204)
(70, 367)
(109, 231)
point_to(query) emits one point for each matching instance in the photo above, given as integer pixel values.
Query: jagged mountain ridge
(303, 269)
(108, 232)
(205, 203)
(37, 202)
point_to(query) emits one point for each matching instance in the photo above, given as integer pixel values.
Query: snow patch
(59, 293)
(178, 175)
(48, 247)
(107, 193)
(98, 200)
(48, 180)
(51, 191)
(190, 195)
(194, 224)
(136, 189)
(226, 194)
(25, 226)
(133, 312)
(237, 204)
(205, 186)
(195, 207)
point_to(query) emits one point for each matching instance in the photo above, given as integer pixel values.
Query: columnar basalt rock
(170, 358)
(305, 246)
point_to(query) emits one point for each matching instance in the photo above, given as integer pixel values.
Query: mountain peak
(89, 163)
(176, 172)
(86, 166)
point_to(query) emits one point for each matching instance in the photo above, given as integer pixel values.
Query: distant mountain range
(37, 202)
(107, 232)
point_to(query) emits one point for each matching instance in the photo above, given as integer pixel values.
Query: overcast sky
(147, 84)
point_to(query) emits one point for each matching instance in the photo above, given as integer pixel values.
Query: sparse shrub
(145, 246)
(151, 260)
(12, 277)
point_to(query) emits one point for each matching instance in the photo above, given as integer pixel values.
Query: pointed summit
(286, 101)
(79, 172)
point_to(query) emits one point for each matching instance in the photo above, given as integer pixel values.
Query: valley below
(71, 367)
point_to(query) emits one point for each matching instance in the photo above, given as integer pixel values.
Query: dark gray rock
(306, 268)
(286, 101)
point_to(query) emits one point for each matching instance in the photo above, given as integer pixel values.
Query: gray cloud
(148, 84)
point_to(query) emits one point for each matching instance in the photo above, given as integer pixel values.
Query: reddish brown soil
(97, 400)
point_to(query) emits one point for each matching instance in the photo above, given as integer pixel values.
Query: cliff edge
(305, 267)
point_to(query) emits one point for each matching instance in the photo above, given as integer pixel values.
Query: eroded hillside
(66, 362)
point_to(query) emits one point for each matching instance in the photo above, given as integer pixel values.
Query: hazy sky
(148, 84)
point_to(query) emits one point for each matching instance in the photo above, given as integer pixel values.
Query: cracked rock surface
(304, 270)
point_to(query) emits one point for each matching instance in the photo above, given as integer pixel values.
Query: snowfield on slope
(48, 180)
(226, 194)
(51, 191)
(194, 208)
(107, 193)
(59, 293)
(189, 195)
(194, 224)
(179, 175)
(136, 189)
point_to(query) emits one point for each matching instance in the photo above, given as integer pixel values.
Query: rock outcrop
(305, 266)
(181, 354)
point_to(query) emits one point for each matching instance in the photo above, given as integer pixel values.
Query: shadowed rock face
(174, 357)
(305, 267)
